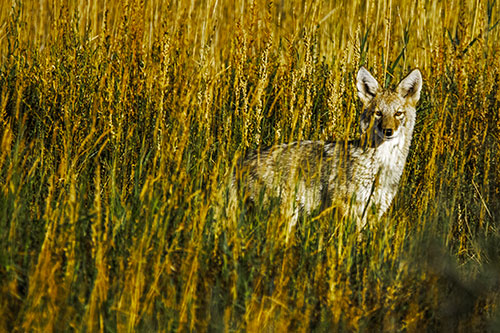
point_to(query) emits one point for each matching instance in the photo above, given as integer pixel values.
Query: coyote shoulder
(353, 176)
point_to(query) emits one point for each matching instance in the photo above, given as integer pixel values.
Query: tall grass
(121, 122)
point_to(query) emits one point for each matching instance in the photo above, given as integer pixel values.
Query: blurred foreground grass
(120, 125)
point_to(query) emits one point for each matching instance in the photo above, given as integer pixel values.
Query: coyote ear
(409, 88)
(367, 86)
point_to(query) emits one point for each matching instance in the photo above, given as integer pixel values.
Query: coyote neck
(378, 169)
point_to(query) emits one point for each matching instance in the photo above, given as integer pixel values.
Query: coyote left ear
(409, 88)
(367, 86)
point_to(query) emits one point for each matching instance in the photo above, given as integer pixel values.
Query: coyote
(351, 176)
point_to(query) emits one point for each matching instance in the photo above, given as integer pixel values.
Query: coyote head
(387, 112)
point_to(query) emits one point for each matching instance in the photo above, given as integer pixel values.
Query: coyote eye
(398, 114)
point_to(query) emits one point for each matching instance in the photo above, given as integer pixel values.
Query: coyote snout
(352, 176)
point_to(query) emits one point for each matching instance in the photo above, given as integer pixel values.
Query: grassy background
(121, 121)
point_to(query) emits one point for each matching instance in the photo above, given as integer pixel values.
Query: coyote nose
(388, 131)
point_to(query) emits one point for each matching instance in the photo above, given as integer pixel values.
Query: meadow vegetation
(122, 121)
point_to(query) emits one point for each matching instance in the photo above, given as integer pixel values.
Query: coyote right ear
(409, 88)
(367, 86)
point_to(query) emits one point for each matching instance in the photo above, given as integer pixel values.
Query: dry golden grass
(121, 122)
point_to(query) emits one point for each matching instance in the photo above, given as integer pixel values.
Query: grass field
(122, 121)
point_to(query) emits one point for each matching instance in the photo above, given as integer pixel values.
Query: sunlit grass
(121, 123)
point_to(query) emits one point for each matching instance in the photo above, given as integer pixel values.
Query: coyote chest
(374, 176)
(353, 176)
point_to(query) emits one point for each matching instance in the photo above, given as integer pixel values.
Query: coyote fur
(354, 177)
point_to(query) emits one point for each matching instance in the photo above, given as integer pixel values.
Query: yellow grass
(121, 122)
